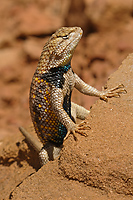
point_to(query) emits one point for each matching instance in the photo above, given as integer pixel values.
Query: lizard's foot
(114, 92)
(78, 129)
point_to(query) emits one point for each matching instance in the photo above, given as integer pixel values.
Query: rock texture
(102, 160)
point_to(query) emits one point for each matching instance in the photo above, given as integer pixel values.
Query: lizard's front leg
(89, 90)
(57, 98)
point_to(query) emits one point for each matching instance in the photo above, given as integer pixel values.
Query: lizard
(52, 112)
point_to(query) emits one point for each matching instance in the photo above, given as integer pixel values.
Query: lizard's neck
(44, 69)
(66, 67)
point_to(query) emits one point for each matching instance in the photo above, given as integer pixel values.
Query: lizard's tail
(36, 144)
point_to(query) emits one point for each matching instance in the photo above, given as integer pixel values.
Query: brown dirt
(96, 167)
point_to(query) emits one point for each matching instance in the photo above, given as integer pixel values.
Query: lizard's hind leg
(49, 152)
(79, 112)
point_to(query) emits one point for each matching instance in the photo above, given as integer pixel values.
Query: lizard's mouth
(70, 42)
(65, 46)
(70, 47)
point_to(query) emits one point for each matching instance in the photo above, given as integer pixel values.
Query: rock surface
(102, 160)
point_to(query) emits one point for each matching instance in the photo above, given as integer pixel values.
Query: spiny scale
(54, 63)
(50, 94)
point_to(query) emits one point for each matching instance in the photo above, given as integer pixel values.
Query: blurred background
(25, 26)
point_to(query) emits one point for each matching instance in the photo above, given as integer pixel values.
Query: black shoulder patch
(55, 76)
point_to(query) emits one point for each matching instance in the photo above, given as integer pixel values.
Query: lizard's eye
(65, 37)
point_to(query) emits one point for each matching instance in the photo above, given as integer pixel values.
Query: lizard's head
(60, 47)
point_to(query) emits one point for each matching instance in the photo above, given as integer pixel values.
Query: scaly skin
(51, 88)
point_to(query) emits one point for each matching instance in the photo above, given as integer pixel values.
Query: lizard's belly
(45, 120)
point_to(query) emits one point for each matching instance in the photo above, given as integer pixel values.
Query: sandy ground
(96, 167)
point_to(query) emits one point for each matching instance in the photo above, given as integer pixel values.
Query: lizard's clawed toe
(84, 125)
(113, 92)
(82, 128)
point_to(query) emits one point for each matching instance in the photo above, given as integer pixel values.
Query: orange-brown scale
(44, 118)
